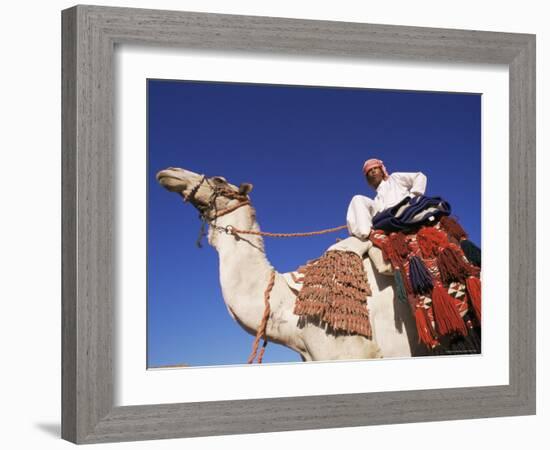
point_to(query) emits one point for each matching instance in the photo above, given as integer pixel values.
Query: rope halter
(209, 213)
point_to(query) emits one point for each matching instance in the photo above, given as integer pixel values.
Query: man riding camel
(391, 190)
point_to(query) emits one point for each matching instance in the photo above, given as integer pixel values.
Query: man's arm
(414, 182)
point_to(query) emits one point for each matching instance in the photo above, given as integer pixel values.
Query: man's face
(375, 176)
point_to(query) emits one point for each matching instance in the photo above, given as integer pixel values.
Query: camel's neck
(246, 245)
(244, 268)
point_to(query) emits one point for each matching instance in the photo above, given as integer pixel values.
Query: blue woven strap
(408, 213)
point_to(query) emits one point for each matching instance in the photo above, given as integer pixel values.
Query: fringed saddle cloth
(332, 290)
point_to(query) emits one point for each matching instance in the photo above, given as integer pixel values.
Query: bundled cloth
(334, 293)
(440, 283)
(411, 212)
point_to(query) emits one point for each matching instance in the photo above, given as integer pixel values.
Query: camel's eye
(219, 180)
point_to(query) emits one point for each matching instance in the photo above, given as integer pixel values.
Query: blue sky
(303, 149)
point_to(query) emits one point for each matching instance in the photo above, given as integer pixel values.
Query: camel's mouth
(170, 180)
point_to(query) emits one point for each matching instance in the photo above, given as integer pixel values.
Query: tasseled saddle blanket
(437, 272)
(332, 290)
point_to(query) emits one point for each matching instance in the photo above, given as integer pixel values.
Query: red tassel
(391, 255)
(406, 281)
(473, 286)
(452, 227)
(399, 244)
(452, 266)
(424, 328)
(429, 240)
(446, 315)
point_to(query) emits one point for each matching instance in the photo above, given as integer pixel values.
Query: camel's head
(205, 193)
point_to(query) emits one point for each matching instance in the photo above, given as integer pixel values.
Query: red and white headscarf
(370, 163)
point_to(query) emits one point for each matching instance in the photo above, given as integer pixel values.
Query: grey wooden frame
(89, 37)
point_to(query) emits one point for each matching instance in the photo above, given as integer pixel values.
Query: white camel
(245, 272)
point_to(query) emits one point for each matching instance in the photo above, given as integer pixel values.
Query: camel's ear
(245, 188)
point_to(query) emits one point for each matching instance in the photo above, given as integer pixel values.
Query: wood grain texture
(522, 282)
(89, 36)
(68, 226)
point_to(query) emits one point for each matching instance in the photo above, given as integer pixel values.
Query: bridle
(209, 213)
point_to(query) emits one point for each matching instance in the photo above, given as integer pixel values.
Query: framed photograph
(253, 140)
(287, 149)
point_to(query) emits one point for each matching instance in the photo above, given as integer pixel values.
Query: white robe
(389, 192)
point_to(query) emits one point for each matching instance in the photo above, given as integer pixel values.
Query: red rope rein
(232, 230)
(265, 233)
